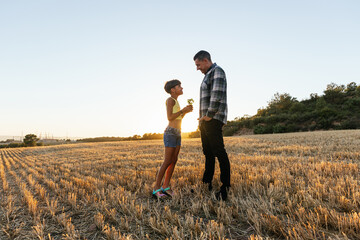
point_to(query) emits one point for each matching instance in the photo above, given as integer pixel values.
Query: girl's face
(178, 90)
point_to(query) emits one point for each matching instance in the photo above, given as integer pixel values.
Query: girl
(172, 138)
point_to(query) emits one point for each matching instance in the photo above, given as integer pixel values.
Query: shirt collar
(212, 66)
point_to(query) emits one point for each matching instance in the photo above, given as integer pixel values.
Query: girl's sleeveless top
(176, 108)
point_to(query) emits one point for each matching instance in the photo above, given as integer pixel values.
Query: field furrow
(285, 186)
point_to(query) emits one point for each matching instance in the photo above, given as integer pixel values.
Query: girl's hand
(187, 109)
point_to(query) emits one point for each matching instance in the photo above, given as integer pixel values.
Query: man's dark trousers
(213, 146)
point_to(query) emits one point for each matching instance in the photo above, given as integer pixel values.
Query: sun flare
(189, 123)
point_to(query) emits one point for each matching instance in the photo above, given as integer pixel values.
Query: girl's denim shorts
(172, 137)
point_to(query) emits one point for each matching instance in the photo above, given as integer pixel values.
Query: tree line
(146, 136)
(337, 108)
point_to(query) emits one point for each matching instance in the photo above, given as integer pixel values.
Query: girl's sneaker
(157, 194)
(167, 191)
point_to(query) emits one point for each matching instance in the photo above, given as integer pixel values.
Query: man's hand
(205, 118)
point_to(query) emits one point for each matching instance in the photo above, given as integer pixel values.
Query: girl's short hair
(170, 84)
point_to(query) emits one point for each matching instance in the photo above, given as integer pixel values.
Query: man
(213, 115)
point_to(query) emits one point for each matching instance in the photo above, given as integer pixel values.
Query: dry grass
(289, 186)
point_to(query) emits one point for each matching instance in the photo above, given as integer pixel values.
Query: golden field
(284, 186)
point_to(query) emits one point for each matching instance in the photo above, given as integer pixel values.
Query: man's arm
(218, 91)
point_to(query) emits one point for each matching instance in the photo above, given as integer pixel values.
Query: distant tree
(30, 140)
(351, 88)
(314, 96)
(195, 134)
(136, 137)
(150, 136)
(280, 103)
(297, 107)
(320, 103)
(261, 112)
(334, 93)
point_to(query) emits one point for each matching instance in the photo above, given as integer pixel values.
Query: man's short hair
(170, 84)
(202, 55)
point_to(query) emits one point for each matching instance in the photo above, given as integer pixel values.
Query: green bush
(292, 127)
(230, 131)
(261, 129)
(324, 123)
(16, 145)
(279, 128)
(351, 123)
(297, 107)
(304, 128)
(297, 117)
(312, 127)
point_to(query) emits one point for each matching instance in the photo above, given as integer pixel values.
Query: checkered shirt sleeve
(213, 101)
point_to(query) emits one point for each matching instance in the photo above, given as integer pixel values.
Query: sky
(97, 68)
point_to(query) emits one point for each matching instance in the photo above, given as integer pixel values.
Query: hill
(338, 108)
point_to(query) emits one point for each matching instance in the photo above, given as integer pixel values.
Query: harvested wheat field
(285, 186)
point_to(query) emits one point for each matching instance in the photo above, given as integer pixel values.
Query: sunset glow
(91, 69)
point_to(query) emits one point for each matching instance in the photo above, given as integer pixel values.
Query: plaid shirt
(213, 94)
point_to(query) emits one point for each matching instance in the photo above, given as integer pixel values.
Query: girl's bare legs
(169, 152)
(170, 169)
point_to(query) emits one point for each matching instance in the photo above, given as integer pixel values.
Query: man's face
(202, 65)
